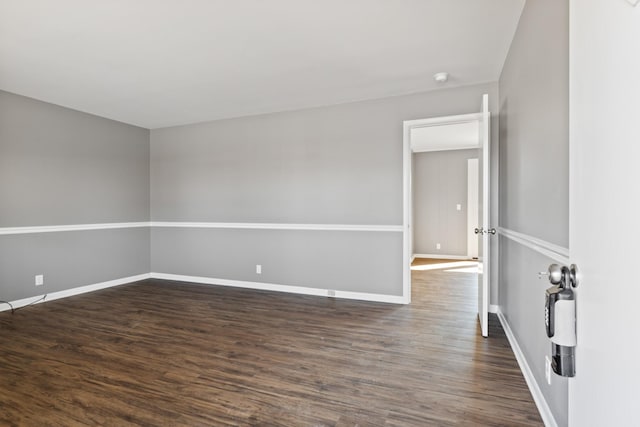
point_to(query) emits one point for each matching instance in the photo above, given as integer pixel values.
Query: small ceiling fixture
(441, 77)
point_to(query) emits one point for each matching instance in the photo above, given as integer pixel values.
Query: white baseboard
(283, 288)
(205, 280)
(73, 291)
(493, 308)
(538, 397)
(440, 256)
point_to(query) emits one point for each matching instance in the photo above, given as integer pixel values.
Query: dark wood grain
(161, 353)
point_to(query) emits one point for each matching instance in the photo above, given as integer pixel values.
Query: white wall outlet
(547, 369)
(331, 293)
(258, 269)
(438, 246)
(39, 280)
(458, 207)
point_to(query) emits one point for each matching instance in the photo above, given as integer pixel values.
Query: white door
(484, 217)
(604, 215)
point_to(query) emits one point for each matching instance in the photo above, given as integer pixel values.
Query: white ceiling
(157, 63)
(456, 136)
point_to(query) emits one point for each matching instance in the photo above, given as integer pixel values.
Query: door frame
(473, 206)
(407, 187)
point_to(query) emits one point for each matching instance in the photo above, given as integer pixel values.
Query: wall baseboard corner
(73, 291)
(391, 299)
(534, 388)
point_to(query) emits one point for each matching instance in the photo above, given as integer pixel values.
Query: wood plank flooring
(159, 353)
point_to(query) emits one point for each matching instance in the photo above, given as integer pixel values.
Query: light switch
(459, 207)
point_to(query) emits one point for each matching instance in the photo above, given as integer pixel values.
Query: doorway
(451, 133)
(445, 199)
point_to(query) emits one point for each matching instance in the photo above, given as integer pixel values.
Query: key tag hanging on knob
(560, 317)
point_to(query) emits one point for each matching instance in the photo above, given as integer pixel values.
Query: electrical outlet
(459, 207)
(438, 246)
(547, 369)
(331, 293)
(39, 280)
(258, 269)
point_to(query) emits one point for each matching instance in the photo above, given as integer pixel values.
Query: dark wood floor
(164, 353)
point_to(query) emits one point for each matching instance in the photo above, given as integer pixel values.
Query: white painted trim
(205, 280)
(282, 288)
(444, 120)
(441, 256)
(493, 308)
(555, 252)
(538, 397)
(73, 291)
(235, 225)
(432, 150)
(74, 227)
(472, 206)
(278, 226)
(413, 258)
(407, 210)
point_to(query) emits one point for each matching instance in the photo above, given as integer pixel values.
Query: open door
(604, 210)
(483, 230)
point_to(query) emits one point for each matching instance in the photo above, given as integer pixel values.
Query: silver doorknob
(567, 276)
(478, 231)
(492, 231)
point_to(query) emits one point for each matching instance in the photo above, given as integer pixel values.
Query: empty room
(319, 213)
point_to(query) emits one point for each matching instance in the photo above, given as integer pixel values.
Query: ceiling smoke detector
(441, 77)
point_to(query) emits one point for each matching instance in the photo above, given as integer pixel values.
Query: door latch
(483, 231)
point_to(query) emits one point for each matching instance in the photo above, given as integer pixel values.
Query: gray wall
(439, 184)
(333, 165)
(58, 167)
(313, 259)
(534, 119)
(534, 180)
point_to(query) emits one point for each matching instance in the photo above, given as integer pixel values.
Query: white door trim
(472, 207)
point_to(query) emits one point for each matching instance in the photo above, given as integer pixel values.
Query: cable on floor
(14, 309)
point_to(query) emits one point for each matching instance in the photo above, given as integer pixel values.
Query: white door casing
(483, 118)
(472, 207)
